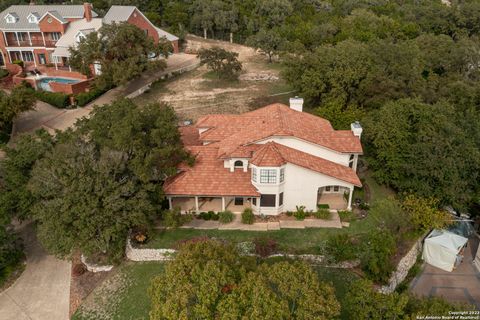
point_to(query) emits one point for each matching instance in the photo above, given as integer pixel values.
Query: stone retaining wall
(95, 267)
(136, 254)
(405, 264)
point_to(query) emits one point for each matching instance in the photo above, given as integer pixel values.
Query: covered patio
(337, 197)
(198, 204)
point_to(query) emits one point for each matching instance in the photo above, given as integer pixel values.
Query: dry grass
(198, 92)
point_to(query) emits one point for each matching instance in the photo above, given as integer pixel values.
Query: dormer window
(79, 37)
(32, 18)
(10, 18)
(238, 164)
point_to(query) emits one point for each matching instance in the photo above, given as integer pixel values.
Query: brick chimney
(87, 7)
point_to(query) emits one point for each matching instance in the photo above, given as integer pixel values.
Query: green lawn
(123, 296)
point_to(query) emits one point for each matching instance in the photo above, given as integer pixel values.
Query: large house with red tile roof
(271, 160)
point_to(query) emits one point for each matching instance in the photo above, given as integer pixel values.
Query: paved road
(42, 292)
(50, 118)
(461, 285)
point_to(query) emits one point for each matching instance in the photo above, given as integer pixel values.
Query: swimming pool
(43, 82)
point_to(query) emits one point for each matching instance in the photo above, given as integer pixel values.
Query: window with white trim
(280, 199)
(32, 19)
(268, 176)
(27, 56)
(254, 174)
(238, 164)
(350, 161)
(55, 35)
(10, 19)
(282, 174)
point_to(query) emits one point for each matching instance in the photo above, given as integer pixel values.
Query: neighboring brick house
(39, 35)
(271, 160)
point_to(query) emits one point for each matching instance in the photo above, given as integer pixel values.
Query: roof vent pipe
(296, 104)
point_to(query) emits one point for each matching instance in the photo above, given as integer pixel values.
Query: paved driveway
(42, 292)
(50, 118)
(461, 285)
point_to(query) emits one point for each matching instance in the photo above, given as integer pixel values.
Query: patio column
(16, 36)
(170, 203)
(350, 196)
(55, 61)
(29, 38)
(223, 203)
(34, 59)
(196, 204)
(5, 37)
(43, 37)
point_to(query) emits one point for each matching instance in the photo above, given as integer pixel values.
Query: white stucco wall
(301, 187)
(313, 149)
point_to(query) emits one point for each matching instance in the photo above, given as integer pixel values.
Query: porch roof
(208, 177)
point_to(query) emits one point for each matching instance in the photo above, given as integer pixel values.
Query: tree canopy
(209, 279)
(123, 52)
(223, 63)
(104, 178)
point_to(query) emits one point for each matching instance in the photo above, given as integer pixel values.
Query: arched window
(238, 164)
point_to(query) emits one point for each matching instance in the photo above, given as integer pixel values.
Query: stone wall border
(403, 267)
(95, 267)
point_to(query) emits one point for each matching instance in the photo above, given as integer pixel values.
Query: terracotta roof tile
(190, 136)
(317, 164)
(208, 177)
(232, 131)
(268, 156)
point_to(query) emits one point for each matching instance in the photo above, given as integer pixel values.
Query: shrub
(346, 216)
(174, 218)
(378, 250)
(341, 247)
(247, 216)
(226, 216)
(323, 214)
(300, 213)
(323, 206)
(3, 73)
(265, 247)
(424, 213)
(364, 206)
(18, 62)
(84, 98)
(289, 213)
(210, 215)
(56, 99)
(78, 269)
(246, 247)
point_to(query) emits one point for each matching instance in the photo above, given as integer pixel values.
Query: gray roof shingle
(118, 14)
(23, 11)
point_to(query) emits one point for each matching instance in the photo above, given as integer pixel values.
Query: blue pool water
(43, 83)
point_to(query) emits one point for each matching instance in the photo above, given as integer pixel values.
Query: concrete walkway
(460, 285)
(42, 292)
(237, 224)
(50, 118)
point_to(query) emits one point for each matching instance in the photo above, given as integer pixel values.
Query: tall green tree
(15, 171)
(209, 280)
(430, 150)
(223, 63)
(20, 99)
(105, 178)
(87, 199)
(123, 52)
(269, 41)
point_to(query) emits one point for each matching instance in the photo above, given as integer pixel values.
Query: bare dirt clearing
(198, 92)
